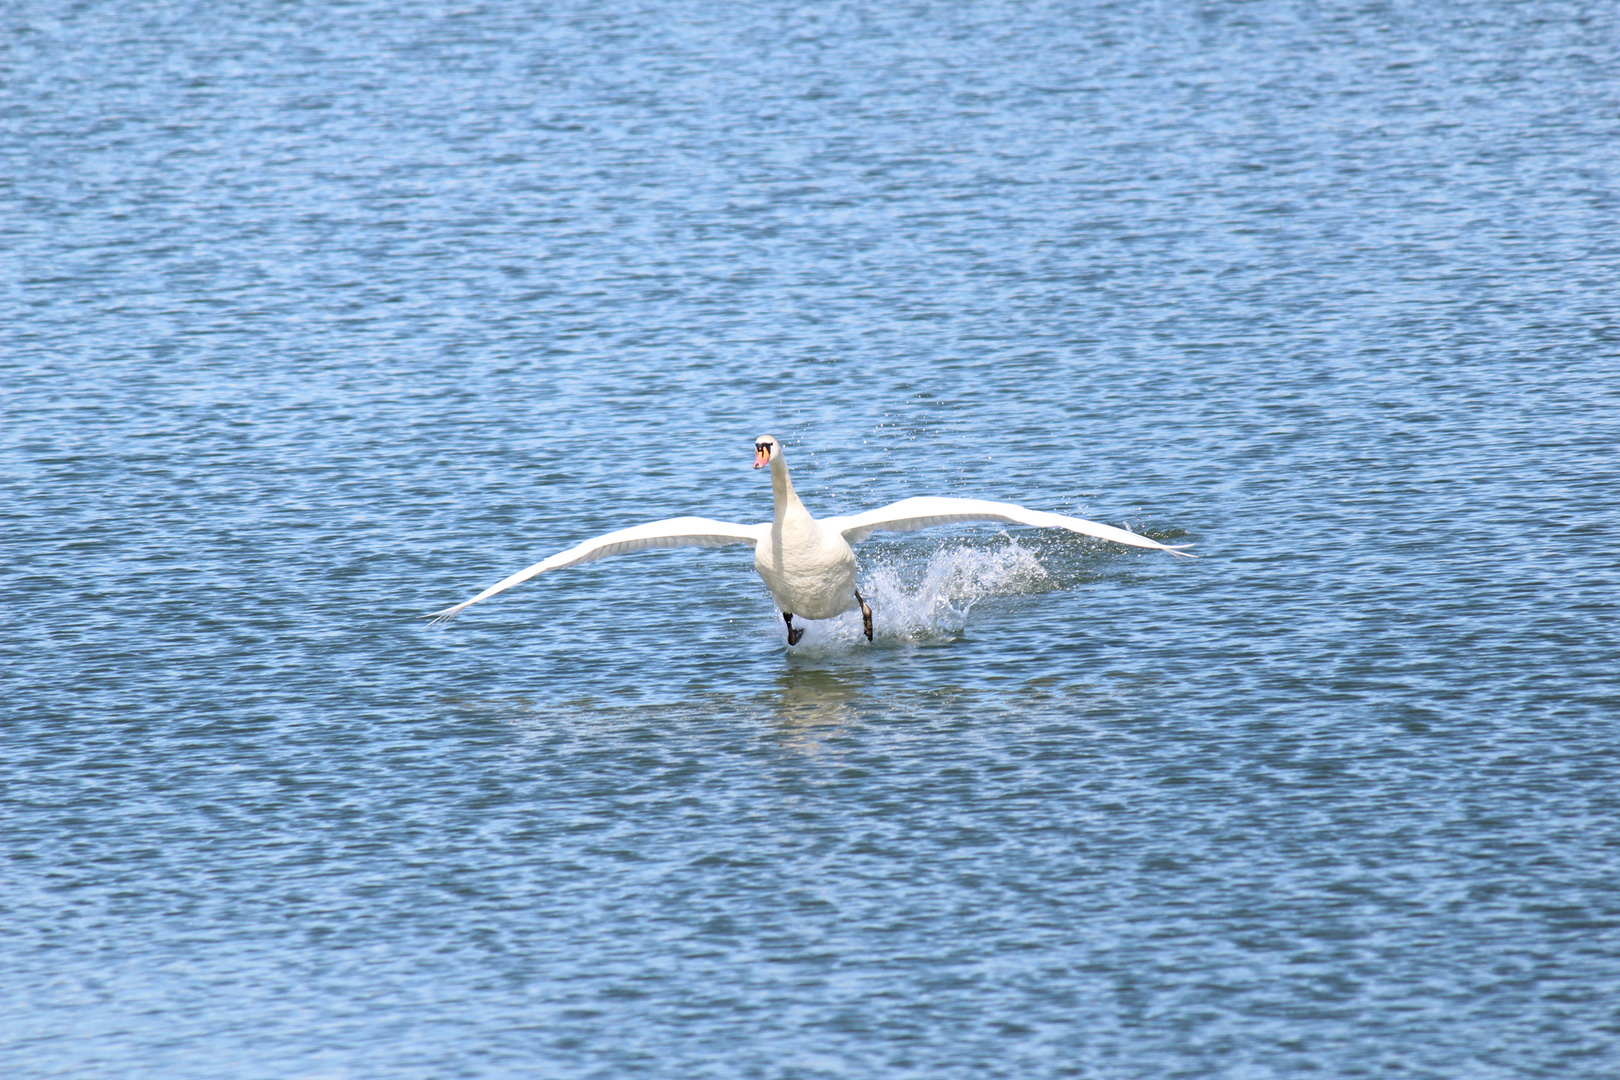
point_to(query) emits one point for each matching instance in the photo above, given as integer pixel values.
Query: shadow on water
(811, 694)
(811, 702)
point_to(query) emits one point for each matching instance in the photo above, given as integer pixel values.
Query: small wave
(919, 600)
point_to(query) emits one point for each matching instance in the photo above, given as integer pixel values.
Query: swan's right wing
(925, 511)
(671, 532)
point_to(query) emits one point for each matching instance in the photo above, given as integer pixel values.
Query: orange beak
(762, 457)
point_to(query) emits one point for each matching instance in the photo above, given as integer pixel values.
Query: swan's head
(766, 450)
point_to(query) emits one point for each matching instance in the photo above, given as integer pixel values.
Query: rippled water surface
(320, 317)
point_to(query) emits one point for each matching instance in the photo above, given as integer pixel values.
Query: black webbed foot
(866, 616)
(793, 634)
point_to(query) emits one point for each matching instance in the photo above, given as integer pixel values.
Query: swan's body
(808, 565)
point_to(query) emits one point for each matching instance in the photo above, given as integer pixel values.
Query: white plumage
(808, 565)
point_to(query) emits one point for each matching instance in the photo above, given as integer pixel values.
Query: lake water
(316, 318)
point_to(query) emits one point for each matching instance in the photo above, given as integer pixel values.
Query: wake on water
(918, 600)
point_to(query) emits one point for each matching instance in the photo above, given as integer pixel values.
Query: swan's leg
(866, 615)
(793, 635)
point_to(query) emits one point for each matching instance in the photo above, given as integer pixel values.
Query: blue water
(316, 318)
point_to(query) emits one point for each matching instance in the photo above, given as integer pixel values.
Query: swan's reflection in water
(812, 703)
(802, 706)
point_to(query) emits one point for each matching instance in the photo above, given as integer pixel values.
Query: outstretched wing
(671, 532)
(927, 510)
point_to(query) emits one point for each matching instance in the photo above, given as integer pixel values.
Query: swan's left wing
(671, 532)
(925, 511)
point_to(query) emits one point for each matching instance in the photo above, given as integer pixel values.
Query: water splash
(920, 599)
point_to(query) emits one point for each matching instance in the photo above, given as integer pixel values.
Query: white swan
(808, 565)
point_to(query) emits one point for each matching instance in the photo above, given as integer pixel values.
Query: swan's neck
(782, 493)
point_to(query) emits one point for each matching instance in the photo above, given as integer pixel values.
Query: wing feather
(669, 533)
(925, 511)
